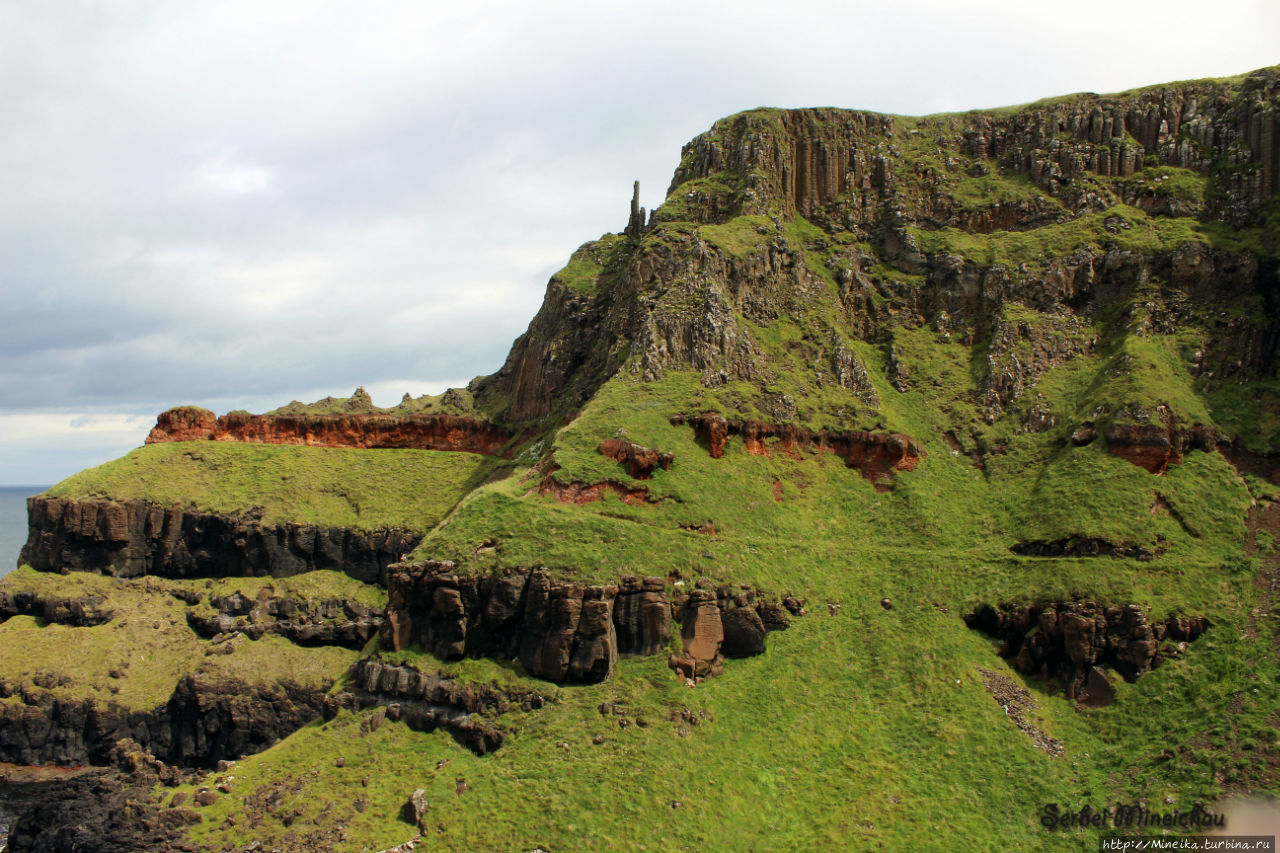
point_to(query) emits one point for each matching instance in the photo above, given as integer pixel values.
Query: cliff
(879, 372)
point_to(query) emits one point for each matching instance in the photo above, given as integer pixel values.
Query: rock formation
(307, 622)
(203, 721)
(134, 537)
(421, 432)
(566, 631)
(1076, 640)
(426, 702)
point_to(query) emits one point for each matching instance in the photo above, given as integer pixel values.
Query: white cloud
(227, 176)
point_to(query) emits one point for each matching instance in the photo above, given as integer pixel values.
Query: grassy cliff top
(365, 489)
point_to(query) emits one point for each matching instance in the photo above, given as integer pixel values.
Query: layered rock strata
(421, 432)
(1076, 641)
(565, 631)
(426, 702)
(204, 721)
(307, 622)
(136, 537)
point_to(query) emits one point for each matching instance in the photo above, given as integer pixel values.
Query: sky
(238, 203)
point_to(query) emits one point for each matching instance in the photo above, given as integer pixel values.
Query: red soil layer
(584, 493)
(420, 432)
(1156, 447)
(874, 454)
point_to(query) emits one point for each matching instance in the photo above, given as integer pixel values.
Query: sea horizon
(13, 523)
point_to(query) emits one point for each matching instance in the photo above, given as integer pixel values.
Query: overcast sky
(237, 204)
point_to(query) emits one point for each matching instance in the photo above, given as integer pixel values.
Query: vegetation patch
(340, 487)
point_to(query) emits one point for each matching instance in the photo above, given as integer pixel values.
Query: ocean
(13, 523)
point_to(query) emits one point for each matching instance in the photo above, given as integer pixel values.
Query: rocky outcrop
(723, 622)
(307, 622)
(133, 538)
(578, 492)
(1075, 641)
(873, 454)
(641, 461)
(107, 810)
(1156, 447)
(427, 701)
(204, 721)
(842, 165)
(421, 432)
(82, 612)
(1083, 546)
(564, 631)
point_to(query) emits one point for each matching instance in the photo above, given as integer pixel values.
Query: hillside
(895, 479)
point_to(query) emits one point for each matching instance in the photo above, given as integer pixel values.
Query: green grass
(1119, 227)
(595, 264)
(368, 490)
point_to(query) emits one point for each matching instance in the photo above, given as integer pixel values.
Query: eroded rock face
(566, 631)
(873, 454)
(307, 622)
(426, 702)
(1075, 640)
(1083, 546)
(134, 538)
(82, 612)
(421, 432)
(641, 461)
(1155, 447)
(204, 721)
(107, 810)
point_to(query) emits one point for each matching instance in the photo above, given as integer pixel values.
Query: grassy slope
(310, 485)
(860, 727)
(823, 741)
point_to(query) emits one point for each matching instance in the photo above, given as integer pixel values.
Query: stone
(415, 810)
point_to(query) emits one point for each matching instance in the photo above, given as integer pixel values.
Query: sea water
(13, 523)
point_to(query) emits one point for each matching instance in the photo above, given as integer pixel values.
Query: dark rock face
(81, 612)
(566, 631)
(1074, 640)
(203, 722)
(422, 432)
(134, 538)
(326, 622)
(426, 702)
(1082, 546)
(103, 811)
(642, 616)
